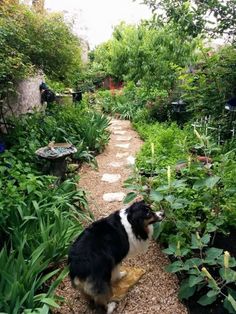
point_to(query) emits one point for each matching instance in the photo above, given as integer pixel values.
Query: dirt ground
(156, 291)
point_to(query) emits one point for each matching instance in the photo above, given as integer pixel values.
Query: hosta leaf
(208, 182)
(170, 198)
(194, 280)
(229, 275)
(210, 227)
(211, 181)
(193, 262)
(230, 303)
(212, 254)
(174, 267)
(212, 293)
(206, 238)
(206, 300)
(158, 228)
(156, 196)
(129, 197)
(185, 291)
(169, 251)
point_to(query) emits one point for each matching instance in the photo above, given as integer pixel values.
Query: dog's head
(140, 216)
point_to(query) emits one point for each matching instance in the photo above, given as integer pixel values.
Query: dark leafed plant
(199, 204)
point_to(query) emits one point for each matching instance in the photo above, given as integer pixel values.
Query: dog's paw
(122, 274)
(111, 307)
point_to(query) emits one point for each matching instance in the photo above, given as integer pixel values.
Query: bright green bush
(169, 144)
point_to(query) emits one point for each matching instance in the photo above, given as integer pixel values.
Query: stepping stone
(121, 155)
(124, 138)
(113, 197)
(115, 128)
(115, 164)
(119, 132)
(126, 145)
(130, 160)
(111, 178)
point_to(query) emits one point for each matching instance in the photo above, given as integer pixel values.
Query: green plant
(38, 222)
(199, 201)
(27, 40)
(22, 279)
(169, 145)
(212, 272)
(85, 129)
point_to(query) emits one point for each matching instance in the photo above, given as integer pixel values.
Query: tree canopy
(213, 17)
(32, 41)
(142, 53)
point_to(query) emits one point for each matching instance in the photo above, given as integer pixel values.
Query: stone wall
(27, 97)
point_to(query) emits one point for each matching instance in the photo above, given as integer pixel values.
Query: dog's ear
(138, 204)
(142, 204)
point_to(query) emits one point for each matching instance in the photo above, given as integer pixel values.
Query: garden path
(156, 291)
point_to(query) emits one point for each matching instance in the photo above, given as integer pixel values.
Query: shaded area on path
(156, 292)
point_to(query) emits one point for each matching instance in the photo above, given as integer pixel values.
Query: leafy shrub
(209, 85)
(168, 142)
(27, 40)
(199, 201)
(38, 222)
(86, 129)
(40, 219)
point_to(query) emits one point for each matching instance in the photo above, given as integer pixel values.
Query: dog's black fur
(102, 246)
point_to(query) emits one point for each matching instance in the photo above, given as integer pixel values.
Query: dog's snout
(159, 215)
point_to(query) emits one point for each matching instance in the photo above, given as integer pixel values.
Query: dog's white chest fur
(136, 245)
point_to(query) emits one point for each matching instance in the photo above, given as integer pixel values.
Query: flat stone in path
(124, 138)
(111, 178)
(115, 128)
(119, 132)
(116, 164)
(130, 160)
(113, 197)
(126, 145)
(122, 155)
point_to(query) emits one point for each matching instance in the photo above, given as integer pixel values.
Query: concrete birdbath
(57, 153)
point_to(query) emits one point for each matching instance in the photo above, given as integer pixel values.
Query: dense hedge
(32, 41)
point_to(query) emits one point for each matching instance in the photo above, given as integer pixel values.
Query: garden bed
(227, 243)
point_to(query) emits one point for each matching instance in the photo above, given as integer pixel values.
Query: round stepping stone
(126, 145)
(119, 132)
(113, 197)
(111, 178)
(130, 160)
(115, 164)
(121, 155)
(124, 138)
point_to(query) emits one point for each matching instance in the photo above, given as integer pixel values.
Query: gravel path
(156, 292)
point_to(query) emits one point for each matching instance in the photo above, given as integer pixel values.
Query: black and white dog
(95, 256)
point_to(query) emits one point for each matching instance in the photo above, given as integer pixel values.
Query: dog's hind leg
(117, 274)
